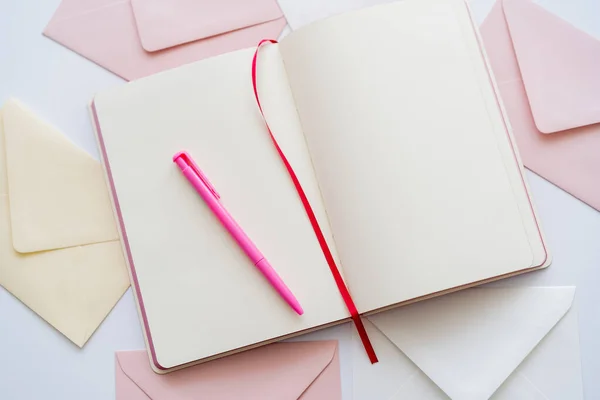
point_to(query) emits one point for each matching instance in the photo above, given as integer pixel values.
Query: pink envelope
(135, 38)
(548, 76)
(281, 371)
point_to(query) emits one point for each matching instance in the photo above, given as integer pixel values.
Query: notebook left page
(199, 296)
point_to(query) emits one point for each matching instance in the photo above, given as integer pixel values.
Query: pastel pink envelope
(281, 371)
(547, 75)
(135, 38)
(559, 65)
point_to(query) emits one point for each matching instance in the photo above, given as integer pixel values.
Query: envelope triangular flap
(106, 32)
(277, 371)
(166, 23)
(57, 194)
(559, 65)
(468, 343)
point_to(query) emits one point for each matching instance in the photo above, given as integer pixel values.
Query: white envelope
(60, 252)
(498, 343)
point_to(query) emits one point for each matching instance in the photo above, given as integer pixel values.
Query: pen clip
(188, 160)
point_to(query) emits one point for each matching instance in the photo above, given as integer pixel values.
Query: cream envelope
(60, 253)
(547, 75)
(498, 343)
(281, 371)
(135, 38)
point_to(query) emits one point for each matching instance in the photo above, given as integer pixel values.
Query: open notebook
(391, 121)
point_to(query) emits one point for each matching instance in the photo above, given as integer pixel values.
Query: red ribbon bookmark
(315, 224)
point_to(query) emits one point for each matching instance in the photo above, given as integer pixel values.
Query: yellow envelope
(60, 252)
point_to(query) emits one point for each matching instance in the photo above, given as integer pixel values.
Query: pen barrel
(275, 280)
(224, 217)
(242, 239)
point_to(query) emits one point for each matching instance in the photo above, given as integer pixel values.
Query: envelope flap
(277, 371)
(559, 65)
(166, 23)
(469, 342)
(57, 194)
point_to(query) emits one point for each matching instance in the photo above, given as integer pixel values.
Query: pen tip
(298, 308)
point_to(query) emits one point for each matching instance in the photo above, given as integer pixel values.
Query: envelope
(498, 343)
(59, 248)
(547, 75)
(135, 38)
(281, 371)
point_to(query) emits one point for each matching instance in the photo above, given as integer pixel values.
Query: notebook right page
(413, 159)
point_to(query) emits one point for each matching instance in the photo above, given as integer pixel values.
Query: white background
(37, 362)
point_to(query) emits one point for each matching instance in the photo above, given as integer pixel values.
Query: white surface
(38, 362)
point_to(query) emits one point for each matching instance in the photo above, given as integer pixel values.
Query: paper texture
(300, 370)
(123, 37)
(498, 343)
(73, 288)
(414, 161)
(199, 289)
(568, 159)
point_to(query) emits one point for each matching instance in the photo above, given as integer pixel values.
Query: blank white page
(201, 294)
(404, 141)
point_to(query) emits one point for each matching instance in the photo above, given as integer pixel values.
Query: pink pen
(211, 198)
